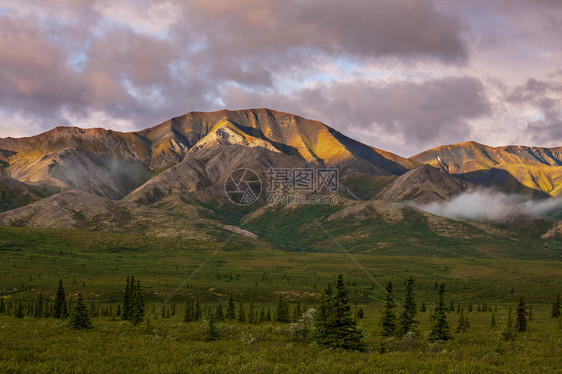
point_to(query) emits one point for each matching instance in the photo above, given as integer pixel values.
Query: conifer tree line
(335, 326)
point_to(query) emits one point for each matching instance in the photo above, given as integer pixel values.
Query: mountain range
(168, 180)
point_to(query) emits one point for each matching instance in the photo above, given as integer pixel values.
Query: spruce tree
(360, 314)
(262, 315)
(462, 322)
(241, 312)
(388, 319)
(197, 312)
(126, 311)
(188, 315)
(297, 312)
(323, 316)
(440, 330)
(59, 310)
(211, 331)
(509, 320)
(251, 313)
(348, 336)
(335, 327)
(79, 318)
(18, 310)
(2, 306)
(219, 314)
(555, 313)
(282, 310)
(521, 321)
(423, 307)
(230, 312)
(38, 306)
(507, 332)
(406, 320)
(268, 315)
(493, 323)
(137, 306)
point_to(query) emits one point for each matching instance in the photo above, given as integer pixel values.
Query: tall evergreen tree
(335, 326)
(493, 323)
(440, 330)
(388, 319)
(241, 312)
(38, 306)
(59, 310)
(211, 331)
(323, 317)
(555, 313)
(79, 318)
(406, 320)
(251, 313)
(509, 320)
(423, 307)
(18, 310)
(521, 321)
(188, 315)
(197, 312)
(462, 323)
(219, 314)
(126, 311)
(282, 310)
(230, 312)
(297, 312)
(348, 336)
(137, 306)
(2, 306)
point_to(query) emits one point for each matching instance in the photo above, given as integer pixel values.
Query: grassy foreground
(171, 346)
(96, 265)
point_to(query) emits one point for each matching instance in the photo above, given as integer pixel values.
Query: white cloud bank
(483, 205)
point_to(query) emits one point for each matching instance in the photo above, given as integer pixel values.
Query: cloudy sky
(402, 75)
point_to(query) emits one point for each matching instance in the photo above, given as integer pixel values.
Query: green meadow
(251, 270)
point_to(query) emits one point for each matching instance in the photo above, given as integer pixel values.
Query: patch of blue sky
(150, 94)
(338, 69)
(78, 61)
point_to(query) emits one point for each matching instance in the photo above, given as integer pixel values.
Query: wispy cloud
(491, 206)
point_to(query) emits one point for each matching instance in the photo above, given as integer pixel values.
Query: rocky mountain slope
(113, 164)
(531, 170)
(169, 180)
(424, 185)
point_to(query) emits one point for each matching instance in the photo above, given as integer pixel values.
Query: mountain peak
(510, 168)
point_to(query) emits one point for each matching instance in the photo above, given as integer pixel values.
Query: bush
(302, 329)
